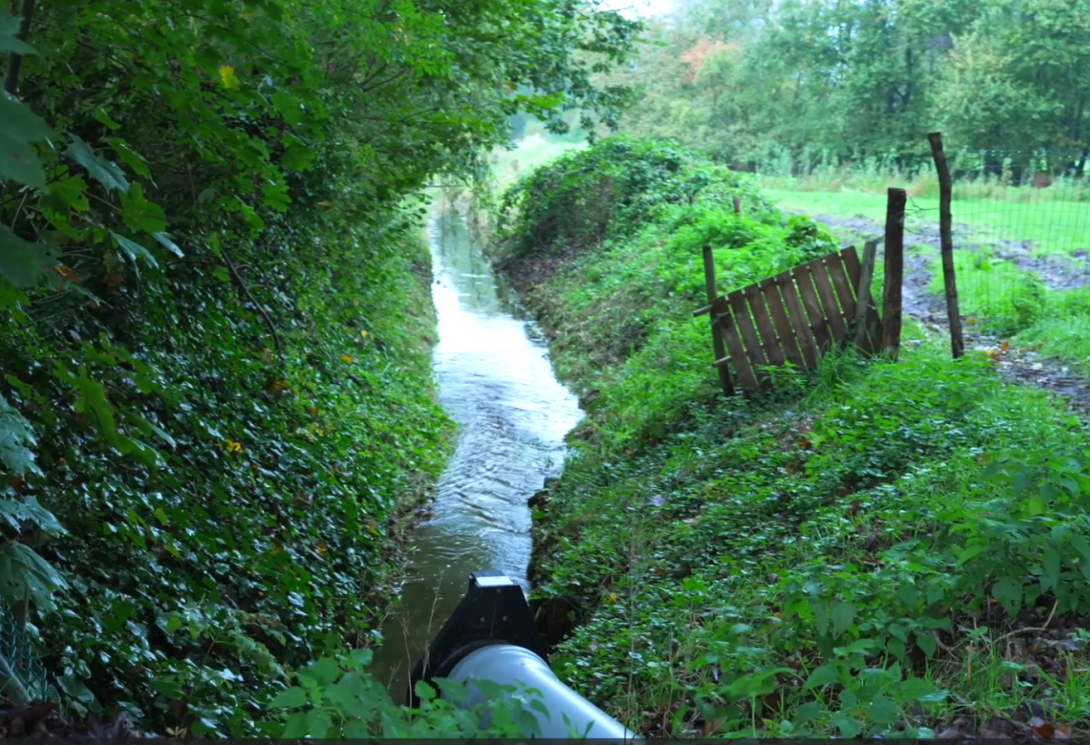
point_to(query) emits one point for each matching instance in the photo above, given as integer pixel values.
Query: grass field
(1052, 226)
(1022, 261)
(534, 149)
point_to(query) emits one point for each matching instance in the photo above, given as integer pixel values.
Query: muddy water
(496, 382)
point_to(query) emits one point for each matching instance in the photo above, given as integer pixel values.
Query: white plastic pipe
(507, 664)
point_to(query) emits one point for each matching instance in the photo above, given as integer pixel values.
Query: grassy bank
(875, 548)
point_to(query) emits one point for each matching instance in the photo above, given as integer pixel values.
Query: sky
(640, 7)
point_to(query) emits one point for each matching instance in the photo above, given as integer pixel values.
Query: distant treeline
(814, 83)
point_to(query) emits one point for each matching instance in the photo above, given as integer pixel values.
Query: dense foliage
(633, 216)
(214, 317)
(823, 81)
(893, 549)
(614, 189)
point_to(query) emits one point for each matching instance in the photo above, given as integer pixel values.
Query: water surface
(496, 382)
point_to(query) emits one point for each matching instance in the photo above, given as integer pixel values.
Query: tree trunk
(15, 61)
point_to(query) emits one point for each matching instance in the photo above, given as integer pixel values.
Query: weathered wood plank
(748, 334)
(862, 293)
(868, 335)
(717, 342)
(804, 283)
(718, 306)
(769, 342)
(782, 321)
(895, 271)
(803, 333)
(833, 312)
(858, 273)
(742, 369)
(839, 275)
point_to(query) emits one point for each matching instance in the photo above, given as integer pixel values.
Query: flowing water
(496, 382)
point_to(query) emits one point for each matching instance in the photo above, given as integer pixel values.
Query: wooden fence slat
(748, 334)
(861, 276)
(782, 321)
(755, 299)
(805, 285)
(856, 271)
(717, 341)
(844, 289)
(717, 306)
(850, 260)
(742, 370)
(833, 313)
(803, 334)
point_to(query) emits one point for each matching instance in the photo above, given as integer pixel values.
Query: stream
(497, 384)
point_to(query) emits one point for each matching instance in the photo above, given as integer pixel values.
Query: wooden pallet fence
(796, 316)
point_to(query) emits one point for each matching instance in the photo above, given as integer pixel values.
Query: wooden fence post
(896, 199)
(737, 205)
(717, 338)
(946, 189)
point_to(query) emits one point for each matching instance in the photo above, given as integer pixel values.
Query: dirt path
(923, 242)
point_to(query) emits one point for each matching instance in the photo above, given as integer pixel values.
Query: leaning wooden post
(946, 190)
(896, 200)
(737, 205)
(863, 299)
(717, 338)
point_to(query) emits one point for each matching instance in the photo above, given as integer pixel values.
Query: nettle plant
(1031, 540)
(876, 626)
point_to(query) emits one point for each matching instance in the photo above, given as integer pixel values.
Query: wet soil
(40, 719)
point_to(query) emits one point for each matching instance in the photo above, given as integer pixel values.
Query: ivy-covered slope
(874, 549)
(215, 320)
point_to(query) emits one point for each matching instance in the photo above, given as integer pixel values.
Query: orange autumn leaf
(67, 273)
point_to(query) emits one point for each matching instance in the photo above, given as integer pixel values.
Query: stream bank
(801, 564)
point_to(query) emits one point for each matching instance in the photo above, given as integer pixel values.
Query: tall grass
(875, 174)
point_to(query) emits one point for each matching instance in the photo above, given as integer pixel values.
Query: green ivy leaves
(336, 698)
(9, 41)
(25, 574)
(20, 130)
(21, 263)
(16, 440)
(99, 168)
(285, 145)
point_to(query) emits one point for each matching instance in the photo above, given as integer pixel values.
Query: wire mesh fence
(1021, 233)
(22, 675)
(1021, 238)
